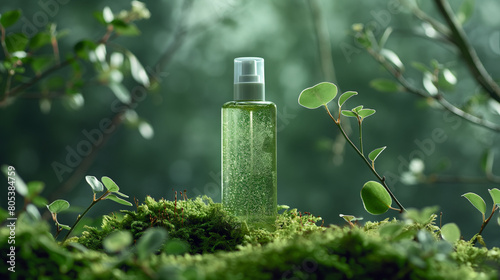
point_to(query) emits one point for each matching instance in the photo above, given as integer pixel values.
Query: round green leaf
(94, 184)
(150, 242)
(420, 67)
(450, 232)
(346, 95)
(66, 227)
(465, 11)
(118, 200)
(350, 218)
(117, 241)
(364, 113)
(58, 206)
(384, 85)
(357, 109)
(374, 154)
(348, 113)
(33, 212)
(39, 40)
(477, 201)
(16, 42)
(393, 58)
(83, 48)
(110, 184)
(35, 188)
(376, 199)
(318, 95)
(125, 28)
(120, 194)
(495, 195)
(9, 18)
(40, 64)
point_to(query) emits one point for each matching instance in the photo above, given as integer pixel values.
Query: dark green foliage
(38, 256)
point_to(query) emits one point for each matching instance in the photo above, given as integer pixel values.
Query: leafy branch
(21, 51)
(478, 202)
(112, 192)
(435, 79)
(453, 33)
(152, 78)
(377, 198)
(459, 38)
(394, 66)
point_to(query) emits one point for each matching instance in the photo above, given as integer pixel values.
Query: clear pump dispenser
(249, 179)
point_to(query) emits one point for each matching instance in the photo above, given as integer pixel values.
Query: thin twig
(4, 45)
(380, 178)
(438, 26)
(19, 89)
(485, 222)
(94, 202)
(360, 125)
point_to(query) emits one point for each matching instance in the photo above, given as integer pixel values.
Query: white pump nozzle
(249, 78)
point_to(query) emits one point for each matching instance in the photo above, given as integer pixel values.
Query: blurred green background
(184, 111)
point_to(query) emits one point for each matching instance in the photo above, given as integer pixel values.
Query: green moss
(221, 247)
(199, 222)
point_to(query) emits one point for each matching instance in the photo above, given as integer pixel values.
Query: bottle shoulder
(245, 104)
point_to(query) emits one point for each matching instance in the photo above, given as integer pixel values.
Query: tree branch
(16, 91)
(438, 97)
(468, 53)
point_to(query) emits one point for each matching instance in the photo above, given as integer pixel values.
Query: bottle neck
(249, 91)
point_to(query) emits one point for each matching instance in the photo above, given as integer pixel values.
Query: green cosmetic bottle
(249, 181)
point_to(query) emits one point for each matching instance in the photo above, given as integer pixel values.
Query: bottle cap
(249, 79)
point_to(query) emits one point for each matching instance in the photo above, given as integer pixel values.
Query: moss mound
(200, 223)
(220, 247)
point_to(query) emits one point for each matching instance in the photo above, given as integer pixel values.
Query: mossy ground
(204, 242)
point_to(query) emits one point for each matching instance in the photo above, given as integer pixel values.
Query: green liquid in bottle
(249, 180)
